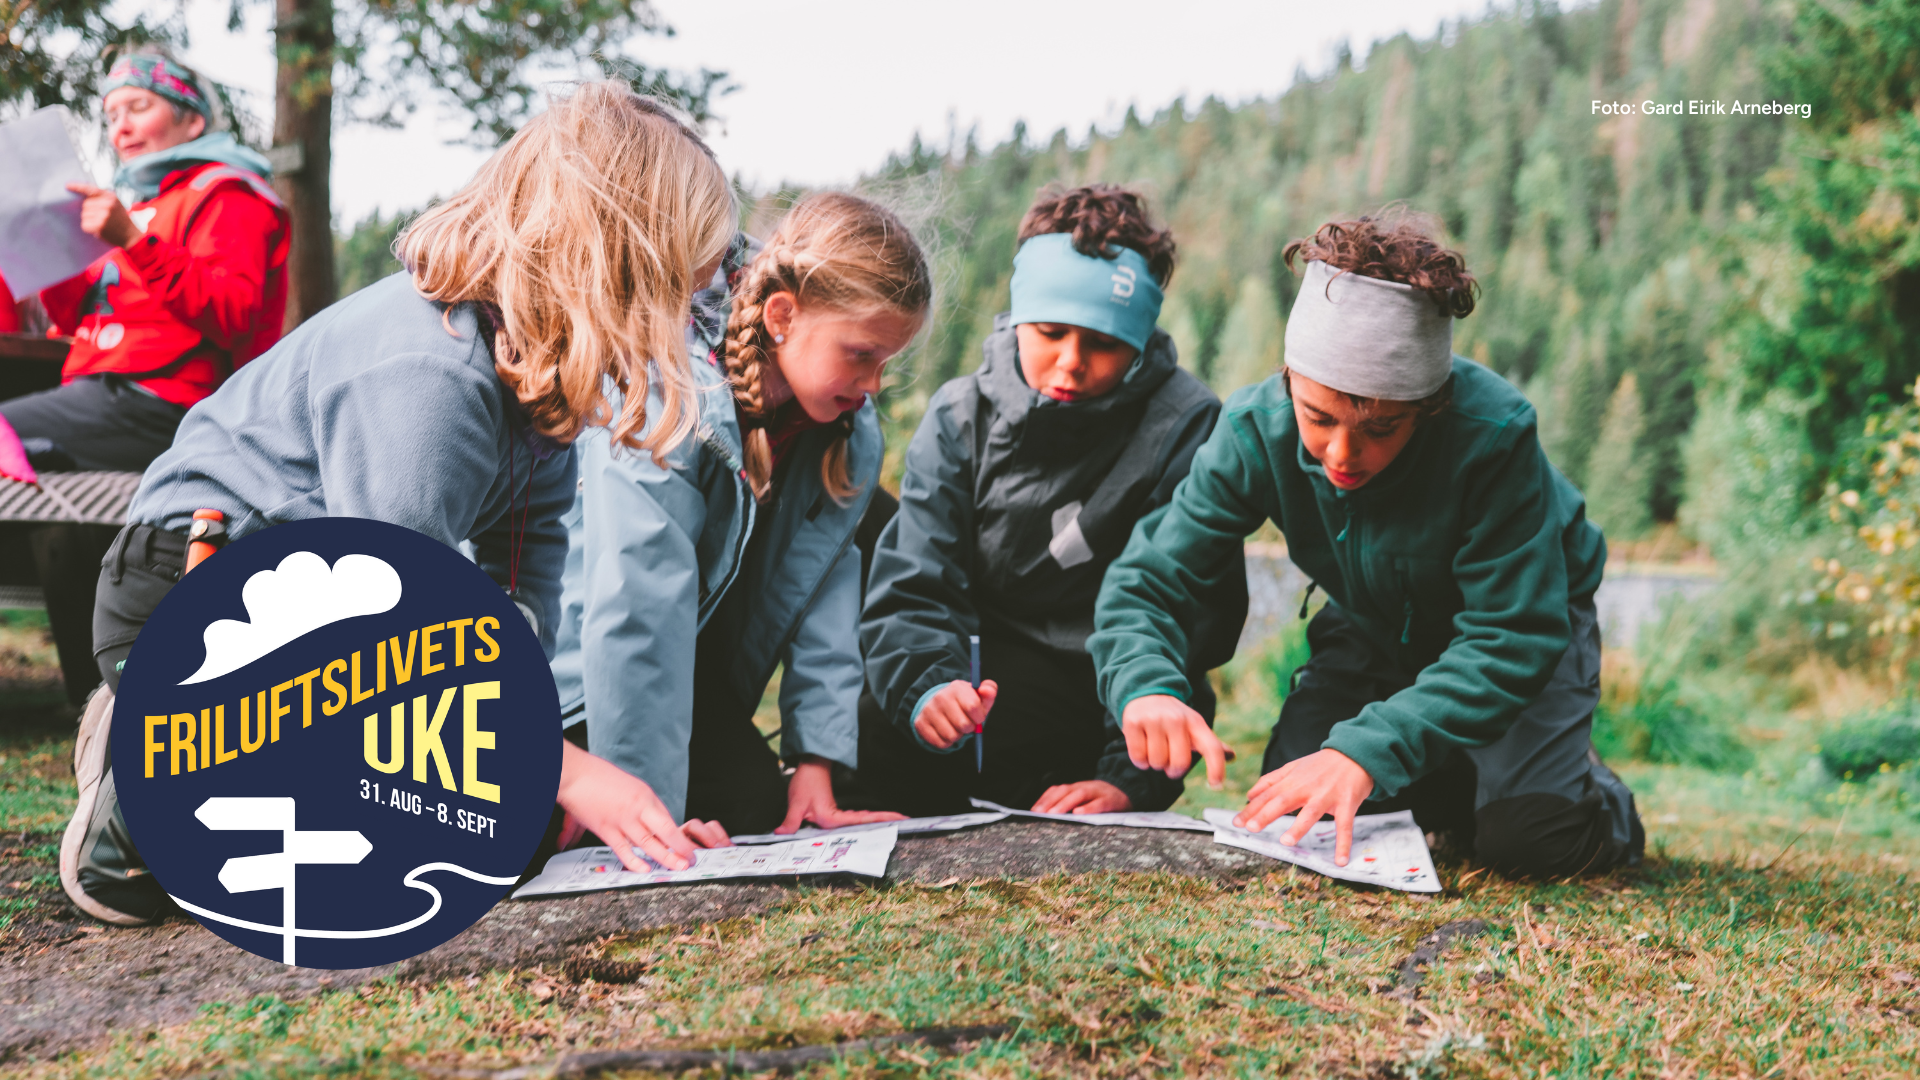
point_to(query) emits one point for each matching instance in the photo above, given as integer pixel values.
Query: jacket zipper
(846, 541)
(1406, 590)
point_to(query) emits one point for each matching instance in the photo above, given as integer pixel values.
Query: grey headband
(1360, 335)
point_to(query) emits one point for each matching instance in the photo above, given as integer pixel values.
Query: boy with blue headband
(1021, 486)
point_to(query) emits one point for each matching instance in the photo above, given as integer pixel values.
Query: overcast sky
(829, 87)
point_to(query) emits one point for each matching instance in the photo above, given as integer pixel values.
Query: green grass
(36, 760)
(1773, 931)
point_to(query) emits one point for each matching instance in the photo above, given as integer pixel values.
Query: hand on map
(956, 711)
(810, 798)
(604, 799)
(1326, 783)
(102, 216)
(1164, 733)
(1085, 797)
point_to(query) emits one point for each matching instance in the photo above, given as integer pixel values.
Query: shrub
(1879, 574)
(1874, 742)
(1666, 722)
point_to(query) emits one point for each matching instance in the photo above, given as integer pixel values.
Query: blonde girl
(438, 398)
(688, 581)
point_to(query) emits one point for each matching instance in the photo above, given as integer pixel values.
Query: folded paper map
(593, 869)
(911, 826)
(1388, 849)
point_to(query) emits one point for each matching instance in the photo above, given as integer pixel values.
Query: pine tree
(1619, 477)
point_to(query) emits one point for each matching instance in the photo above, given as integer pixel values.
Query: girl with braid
(690, 577)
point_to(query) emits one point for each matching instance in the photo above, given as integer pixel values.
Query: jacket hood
(1003, 383)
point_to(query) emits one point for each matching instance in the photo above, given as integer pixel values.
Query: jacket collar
(1003, 383)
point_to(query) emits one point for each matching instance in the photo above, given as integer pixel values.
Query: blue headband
(1053, 283)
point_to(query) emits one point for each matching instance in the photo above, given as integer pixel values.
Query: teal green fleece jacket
(1459, 560)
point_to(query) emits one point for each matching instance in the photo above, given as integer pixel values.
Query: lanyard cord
(518, 531)
(491, 323)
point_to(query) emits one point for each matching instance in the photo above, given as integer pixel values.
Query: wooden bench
(52, 537)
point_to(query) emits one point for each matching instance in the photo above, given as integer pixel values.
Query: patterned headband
(146, 71)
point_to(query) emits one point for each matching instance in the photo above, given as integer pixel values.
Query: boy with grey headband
(1456, 665)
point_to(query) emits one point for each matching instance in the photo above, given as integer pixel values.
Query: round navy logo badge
(337, 743)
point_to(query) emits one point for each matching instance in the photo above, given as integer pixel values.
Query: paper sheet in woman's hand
(41, 242)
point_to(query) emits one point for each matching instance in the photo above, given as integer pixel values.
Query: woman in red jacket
(195, 287)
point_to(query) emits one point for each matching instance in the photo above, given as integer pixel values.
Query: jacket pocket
(1429, 598)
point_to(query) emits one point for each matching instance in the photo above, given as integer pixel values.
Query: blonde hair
(839, 252)
(584, 232)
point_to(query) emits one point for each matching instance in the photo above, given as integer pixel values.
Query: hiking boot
(100, 870)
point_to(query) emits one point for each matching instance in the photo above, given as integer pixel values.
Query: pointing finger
(1343, 834)
(1211, 750)
(1310, 816)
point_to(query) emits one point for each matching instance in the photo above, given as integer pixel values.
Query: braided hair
(836, 251)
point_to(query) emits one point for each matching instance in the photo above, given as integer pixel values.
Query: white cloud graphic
(298, 597)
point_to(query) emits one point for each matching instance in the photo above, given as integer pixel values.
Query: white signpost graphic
(275, 870)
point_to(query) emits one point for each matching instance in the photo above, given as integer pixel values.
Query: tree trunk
(303, 123)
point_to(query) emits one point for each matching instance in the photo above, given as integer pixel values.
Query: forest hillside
(1681, 295)
(1607, 244)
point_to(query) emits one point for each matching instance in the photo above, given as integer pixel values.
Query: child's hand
(1324, 783)
(956, 711)
(1163, 733)
(707, 834)
(1085, 797)
(604, 799)
(810, 798)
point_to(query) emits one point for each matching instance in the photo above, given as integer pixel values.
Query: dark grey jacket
(1011, 508)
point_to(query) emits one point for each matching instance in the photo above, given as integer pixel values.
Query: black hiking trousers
(1537, 802)
(142, 565)
(96, 423)
(1047, 727)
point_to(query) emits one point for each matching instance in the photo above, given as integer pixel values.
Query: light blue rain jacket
(652, 552)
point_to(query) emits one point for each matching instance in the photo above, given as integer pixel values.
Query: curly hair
(1101, 217)
(1395, 246)
(1400, 246)
(837, 251)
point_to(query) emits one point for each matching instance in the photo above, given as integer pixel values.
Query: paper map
(594, 869)
(944, 823)
(1161, 819)
(1388, 849)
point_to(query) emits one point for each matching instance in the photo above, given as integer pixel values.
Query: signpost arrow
(275, 870)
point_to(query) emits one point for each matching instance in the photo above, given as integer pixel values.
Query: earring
(779, 339)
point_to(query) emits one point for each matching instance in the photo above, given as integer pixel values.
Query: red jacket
(9, 313)
(202, 292)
